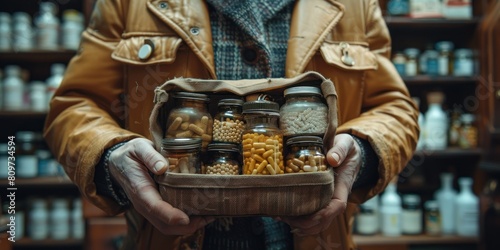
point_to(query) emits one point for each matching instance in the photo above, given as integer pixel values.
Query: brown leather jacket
(107, 93)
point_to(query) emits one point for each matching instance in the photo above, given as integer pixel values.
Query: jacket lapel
(191, 21)
(312, 20)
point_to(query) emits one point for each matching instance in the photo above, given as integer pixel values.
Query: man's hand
(345, 157)
(129, 166)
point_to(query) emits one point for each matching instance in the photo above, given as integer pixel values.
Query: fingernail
(336, 157)
(159, 166)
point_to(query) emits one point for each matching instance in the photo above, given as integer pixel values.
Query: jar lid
(25, 135)
(181, 143)
(463, 53)
(235, 102)
(411, 199)
(189, 95)
(302, 90)
(227, 147)
(444, 45)
(261, 106)
(305, 139)
(431, 204)
(412, 52)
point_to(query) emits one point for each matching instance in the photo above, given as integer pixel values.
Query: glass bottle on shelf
(432, 67)
(467, 204)
(468, 133)
(47, 25)
(367, 221)
(59, 219)
(411, 217)
(55, 79)
(463, 62)
(432, 218)
(411, 68)
(72, 29)
(38, 95)
(5, 31)
(436, 122)
(38, 219)
(445, 49)
(446, 197)
(22, 31)
(399, 61)
(77, 221)
(13, 89)
(26, 159)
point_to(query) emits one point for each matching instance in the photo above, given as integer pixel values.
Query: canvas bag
(244, 195)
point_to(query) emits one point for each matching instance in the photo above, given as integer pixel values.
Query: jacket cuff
(105, 185)
(368, 171)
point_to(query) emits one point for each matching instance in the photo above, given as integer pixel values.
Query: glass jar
(304, 112)
(432, 218)
(411, 68)
(432, 62)
(38, 220)
(262, 139)
(444, 48)
(464, 63)
(411, 218)
(224, 159)
(59, 219)
(399, 61)
(183, 154)
(305, 154)
(26, 159)
(189, 118)
(4, 160)
(468, 132)
(228, 122)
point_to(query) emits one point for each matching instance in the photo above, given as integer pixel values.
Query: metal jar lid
(232, 102)
(302, 90)
(226, 147)
(260, 106)
(181, 143)
(189, 95)
(308, 140)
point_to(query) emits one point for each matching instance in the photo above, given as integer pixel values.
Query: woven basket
(243, 195)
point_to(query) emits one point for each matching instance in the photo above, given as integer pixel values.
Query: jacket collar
(312, 20)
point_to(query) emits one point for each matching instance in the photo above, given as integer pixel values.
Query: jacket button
(249, 55)
(146, 50)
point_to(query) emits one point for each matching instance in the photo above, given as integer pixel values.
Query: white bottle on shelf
(72, 29)
(5, 31)
(467, 204)
(47, 26)
(22, 31)
(13, 92)
(421, 122)
(436, 122)
(367, 221)
(38, 95)
(390, 211)
(59, 219)
(446, 197)
(77, 222)
(53, 82)
(38, 220)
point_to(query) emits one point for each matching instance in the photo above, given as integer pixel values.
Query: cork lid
(435, 97)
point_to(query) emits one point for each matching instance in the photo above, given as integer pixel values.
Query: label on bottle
(436, 134)
(48, 37)
(411, 221)
(443, 66)
(467, 220)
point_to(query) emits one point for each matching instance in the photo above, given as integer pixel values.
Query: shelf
(450, 153)
(434, 23)
(49, 182)
(361, 240)
(439, 80)
(29, 243)
(37, 56)
(22, 114)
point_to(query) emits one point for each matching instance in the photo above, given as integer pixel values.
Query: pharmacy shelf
(426, 80)
(433, 23)
(4, 114)
(362, 240)
(33, 244)
(37, 56)
(37, 182)
(448, 153)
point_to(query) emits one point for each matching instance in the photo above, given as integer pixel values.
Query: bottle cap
(444, 46)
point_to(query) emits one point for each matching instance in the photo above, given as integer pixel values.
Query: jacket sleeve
(87, 110)
(388, 119)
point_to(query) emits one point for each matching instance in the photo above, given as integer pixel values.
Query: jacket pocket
(145, 50)
(349, 56)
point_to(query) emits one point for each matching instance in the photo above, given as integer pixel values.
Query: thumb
(341, 148)
(153, 160)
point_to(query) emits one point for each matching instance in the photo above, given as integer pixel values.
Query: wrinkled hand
(345, 157)
(129, 166)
